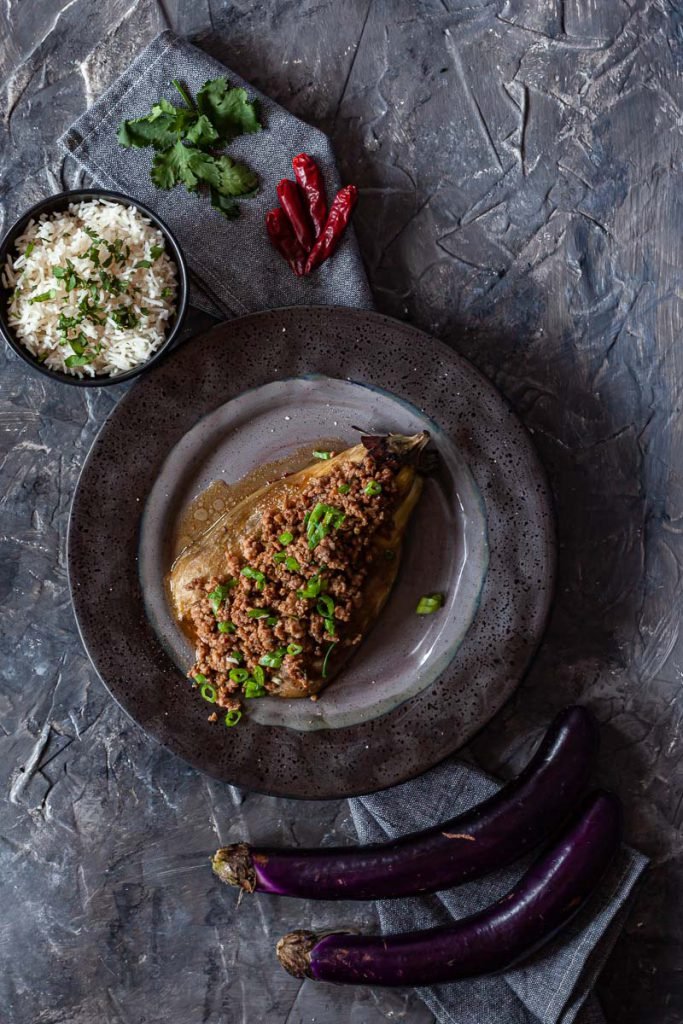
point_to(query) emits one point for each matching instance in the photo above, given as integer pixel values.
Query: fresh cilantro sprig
(187, 142)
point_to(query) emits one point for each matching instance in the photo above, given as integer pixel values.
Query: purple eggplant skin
(523, 814)
(552, 891)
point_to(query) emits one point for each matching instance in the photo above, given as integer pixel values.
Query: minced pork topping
(287, 598)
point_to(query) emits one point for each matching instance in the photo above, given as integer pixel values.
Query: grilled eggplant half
(280, 591)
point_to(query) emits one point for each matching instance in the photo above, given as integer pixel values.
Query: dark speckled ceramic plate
(250, 391)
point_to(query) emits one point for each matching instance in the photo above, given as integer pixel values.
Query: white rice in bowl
(93, 288)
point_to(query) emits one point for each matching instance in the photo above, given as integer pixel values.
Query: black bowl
(61, 202)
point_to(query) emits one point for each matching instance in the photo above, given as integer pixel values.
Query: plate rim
(544, 496)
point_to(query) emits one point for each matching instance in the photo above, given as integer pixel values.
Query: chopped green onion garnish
(325, 606)
(292, 564)
(259, 675)
(142, 265)
(238, 675)
(226, 627)
(58, 272)
(294, 649)
(286, 538)
(166, 293)
(279, 557)
(429, 604)
(373, 488)
(322, 455)
(320, 521)
(43, 297)
(199, 678)
(271, 620)
(258, 613)
(315, 586)
(254, 574)
(330, 627)
(326, 659)
(232, 718)
(273, 659)
(317, 514)
(29, 249)
(344, 488)
(208, 692)
(236, 656)
(156, 251)
(252, 689)
(71, 283)
(218, 596)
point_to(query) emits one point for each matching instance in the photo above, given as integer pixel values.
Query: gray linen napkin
(235, 269)
(554, 986)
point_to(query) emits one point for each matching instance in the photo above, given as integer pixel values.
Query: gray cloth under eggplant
(555, 986)
(234, 268)
(235, 271)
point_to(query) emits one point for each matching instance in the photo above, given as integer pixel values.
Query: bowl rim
(50, 205)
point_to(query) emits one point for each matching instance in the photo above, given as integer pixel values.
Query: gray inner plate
(446, 548)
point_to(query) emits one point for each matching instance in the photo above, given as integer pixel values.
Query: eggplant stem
(406, 447)
(234, 866)
(294, 952)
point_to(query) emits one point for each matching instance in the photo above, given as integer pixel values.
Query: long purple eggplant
(543, 901)
(495, 833)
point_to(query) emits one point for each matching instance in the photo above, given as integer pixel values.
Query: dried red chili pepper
(310, 179)
(281, 234)
(335, 225)
(290, 201)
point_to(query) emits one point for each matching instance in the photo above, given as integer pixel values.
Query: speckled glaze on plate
(162, 409)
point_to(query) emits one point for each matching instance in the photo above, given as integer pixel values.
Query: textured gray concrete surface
(520, 168)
